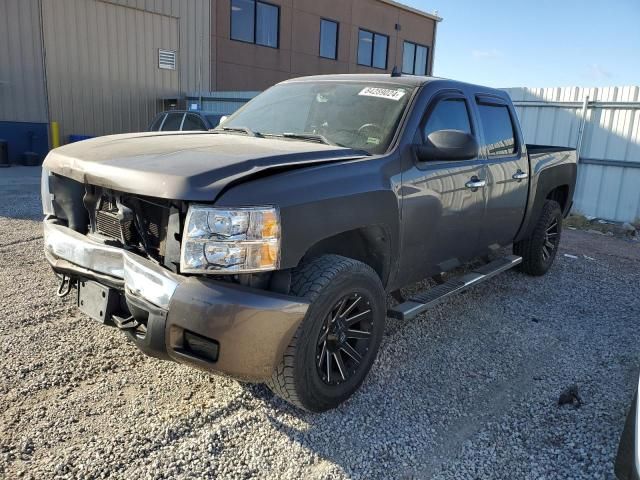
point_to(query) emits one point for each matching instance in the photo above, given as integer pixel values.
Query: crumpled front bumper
(251, 328)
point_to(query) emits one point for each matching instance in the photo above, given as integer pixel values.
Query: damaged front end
(120, 254)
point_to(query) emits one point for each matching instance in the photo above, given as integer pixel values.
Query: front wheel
(540, 249)
(337, 342)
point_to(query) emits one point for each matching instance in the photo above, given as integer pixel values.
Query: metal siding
(101, 60)
(102, 67)
(194, 17)
(22, 87)
(611, 133)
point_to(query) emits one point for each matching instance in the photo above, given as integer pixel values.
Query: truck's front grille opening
(136, 222)
(109, 223)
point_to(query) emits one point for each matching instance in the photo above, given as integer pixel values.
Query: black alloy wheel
(551, 240)
(336, 343)
(539, 250)
(344, 339)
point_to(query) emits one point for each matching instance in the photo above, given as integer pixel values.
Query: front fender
(323, 201)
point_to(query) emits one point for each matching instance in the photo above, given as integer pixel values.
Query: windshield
(357, 115)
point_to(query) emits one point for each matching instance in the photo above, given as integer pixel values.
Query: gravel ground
(468, 391)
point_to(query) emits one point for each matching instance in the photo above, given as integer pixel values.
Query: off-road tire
(531, 249)
(323, 281)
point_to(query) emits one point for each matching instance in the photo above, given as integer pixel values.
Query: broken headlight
(230, 240)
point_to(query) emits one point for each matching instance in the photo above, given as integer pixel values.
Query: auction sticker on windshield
(388, 93)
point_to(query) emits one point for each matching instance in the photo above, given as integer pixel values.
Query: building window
(329, 39)
(255, 22)
(372, 49)
(414, 58)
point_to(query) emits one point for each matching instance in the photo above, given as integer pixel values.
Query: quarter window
(156, 123)
(328, 39)
(448, 114)
(255, 22)
(414, 58)
(498, 129)
(372, 49)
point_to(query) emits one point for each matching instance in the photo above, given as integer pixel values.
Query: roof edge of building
(412, 10)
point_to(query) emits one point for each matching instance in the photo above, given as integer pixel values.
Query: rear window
(172, 122)
(498, 129)
(193, 122)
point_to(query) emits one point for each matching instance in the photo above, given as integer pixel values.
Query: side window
(193, 122)
(172, 122)
(498, 129)
(155, 126)
(448, 114)
(214, 120)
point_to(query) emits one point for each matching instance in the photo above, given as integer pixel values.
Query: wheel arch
(551, 183)
(368, 244)
(561, 195)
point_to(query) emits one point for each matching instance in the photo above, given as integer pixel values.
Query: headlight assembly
(230, 240)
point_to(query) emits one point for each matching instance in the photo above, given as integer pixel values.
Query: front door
(508, 172)
(443, 201)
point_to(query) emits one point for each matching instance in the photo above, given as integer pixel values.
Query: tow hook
(65, 286)
(125, 323)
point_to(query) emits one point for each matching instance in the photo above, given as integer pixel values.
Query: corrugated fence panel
(606, 188)
(22, 90)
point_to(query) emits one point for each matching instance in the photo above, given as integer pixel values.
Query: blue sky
(543, 43)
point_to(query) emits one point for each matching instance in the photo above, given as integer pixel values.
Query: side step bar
(422, 301)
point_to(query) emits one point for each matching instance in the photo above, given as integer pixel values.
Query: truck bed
(535, 149)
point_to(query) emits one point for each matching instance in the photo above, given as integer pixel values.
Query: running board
(422, 301)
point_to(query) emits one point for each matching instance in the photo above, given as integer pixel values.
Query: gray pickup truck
(265, 249)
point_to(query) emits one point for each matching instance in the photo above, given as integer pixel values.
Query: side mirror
(448, 145)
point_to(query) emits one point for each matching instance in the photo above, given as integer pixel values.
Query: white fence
(604, 123)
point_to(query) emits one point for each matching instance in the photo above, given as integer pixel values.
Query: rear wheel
(337, 342)
(539, 250)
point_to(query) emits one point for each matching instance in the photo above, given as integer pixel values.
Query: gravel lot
(468, 391)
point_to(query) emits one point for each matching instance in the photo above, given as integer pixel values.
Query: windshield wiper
(313, 137)
(245, 130)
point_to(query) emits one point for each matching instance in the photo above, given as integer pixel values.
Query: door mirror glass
(448, 145)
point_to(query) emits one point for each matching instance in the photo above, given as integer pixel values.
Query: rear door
(442, 215)
(508, 175)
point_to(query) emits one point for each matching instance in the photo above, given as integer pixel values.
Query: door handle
(475, 183)
(520, 175)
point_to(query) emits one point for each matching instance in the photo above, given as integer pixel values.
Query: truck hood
(183, 166)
